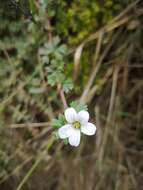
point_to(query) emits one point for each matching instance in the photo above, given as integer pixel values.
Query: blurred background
(53, 52)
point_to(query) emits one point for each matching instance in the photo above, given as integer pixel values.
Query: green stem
(36, 163)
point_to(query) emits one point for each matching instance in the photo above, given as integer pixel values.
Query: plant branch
(62, 96)
(30, 125)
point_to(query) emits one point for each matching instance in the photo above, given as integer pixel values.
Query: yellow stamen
(76, 124)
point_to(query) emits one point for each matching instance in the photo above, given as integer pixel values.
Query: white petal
(88, 129)
(83, 116)
(70, 115)
(74, 139)
(64, 131)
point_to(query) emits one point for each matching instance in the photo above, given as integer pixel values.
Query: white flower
(76, 123)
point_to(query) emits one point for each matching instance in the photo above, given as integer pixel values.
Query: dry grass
(113, 158)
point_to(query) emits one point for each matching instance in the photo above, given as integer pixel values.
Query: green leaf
(67, 85)
(82, 107)
(57, 123)
(62, 119)
(62, 49)
(55, 77)
(55, 133)
(66, 141)
(78, 107)
(56, 41)
(32, 6)
(73, 104)
(51, 79)
(45, 59)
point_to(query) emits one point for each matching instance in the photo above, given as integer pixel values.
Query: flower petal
(74, 139)
(70, 115)
(83, 117)
(88, 129)
(64, 131)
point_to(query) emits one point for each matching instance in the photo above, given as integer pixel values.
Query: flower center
(76, 124)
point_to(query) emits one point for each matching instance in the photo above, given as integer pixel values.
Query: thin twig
(77, 57)
(30, 125)
(98, 48)
(62, 96)
(124, 12)
(113, 93)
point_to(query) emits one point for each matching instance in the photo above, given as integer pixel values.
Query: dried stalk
(84, 95)
(110, 112)
(30, 125)
(62, 96)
